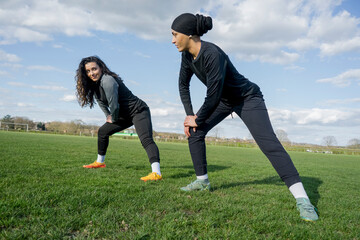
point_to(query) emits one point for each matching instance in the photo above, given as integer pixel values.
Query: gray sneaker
(307, 210)
(198, 184)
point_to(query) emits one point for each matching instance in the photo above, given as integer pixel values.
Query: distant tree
(7, 118)
(55, 127)
(282, 136)
(329, 141)
(80, 125)
(40, 126)
(24, 120)
(354, 143)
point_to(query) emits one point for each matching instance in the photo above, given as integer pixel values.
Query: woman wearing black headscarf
(227, 91)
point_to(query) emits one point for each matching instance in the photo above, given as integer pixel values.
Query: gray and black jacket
(115, 99)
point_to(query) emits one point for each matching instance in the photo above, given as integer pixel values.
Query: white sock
(101, 158)
(155, 167)
(202, 177)
(298, 190)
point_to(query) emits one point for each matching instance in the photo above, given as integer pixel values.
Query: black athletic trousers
(143, 126)
(255, 116)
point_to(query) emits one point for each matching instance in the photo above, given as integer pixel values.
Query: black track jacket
(214, 68)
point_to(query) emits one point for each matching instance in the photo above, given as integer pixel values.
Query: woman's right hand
(189, 122)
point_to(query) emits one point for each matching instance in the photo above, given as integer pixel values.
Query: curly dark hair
(85, 87)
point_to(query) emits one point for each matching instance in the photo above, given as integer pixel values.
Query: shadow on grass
(311, 185)
(211, 168)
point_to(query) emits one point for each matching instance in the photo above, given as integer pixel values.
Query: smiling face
(180, 40)
(93, 71)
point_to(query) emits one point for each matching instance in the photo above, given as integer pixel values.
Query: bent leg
(196, 140)
(107, 130)
(143, 126)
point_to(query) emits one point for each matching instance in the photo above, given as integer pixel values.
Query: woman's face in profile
(180, 40)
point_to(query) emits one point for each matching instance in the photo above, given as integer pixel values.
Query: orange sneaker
(95, 165)
(152, 177)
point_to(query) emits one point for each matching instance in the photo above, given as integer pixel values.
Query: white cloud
(57, 46)
(295, 68)
(52, 88)
(328, 28)
(27, 35)
(267, 31)
(68, 98)
(41, 18)
(344, 79)
(315, 116)
(165, 111)
(20, 104)
(42, 68)
(17, 84)
(133, 82)
(43, 87)
(142, 55)
(14, 66)
(4, 90)
(342, 101)
(45, 68)
(302, 44)
(8, 57)
(347, 45)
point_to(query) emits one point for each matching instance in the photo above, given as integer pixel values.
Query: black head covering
(189, 24)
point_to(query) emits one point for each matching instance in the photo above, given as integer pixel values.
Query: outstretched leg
(256, 118)
(143, 126)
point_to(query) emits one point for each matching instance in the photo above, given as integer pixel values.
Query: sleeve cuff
(198, 122)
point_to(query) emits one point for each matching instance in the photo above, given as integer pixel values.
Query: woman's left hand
(108, 119)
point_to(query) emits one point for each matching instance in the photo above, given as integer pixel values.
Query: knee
(102, 132)
(196, 136)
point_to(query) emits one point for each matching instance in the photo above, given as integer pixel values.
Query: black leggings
(255, 116)
(143, 126)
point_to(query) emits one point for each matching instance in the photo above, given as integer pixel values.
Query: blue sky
(304, 55)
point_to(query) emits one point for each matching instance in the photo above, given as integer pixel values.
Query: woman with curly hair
(227, 91)
(121, 107)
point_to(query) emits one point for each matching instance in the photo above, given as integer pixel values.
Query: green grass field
(46, 194)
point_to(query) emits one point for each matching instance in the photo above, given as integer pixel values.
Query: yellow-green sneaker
(151, 177)
(306, 209)
(198, 184)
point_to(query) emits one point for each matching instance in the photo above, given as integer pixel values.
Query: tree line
(78, 127)
(75, 127)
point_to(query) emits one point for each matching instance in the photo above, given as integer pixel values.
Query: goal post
(5, 125)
